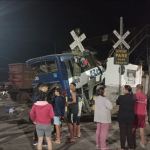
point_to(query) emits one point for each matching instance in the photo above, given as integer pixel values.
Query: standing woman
(126, 116)
(102, 116)
(41, 114)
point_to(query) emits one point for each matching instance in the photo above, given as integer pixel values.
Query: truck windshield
(48, 66)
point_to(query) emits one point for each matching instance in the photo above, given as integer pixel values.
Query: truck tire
(22, 97)
(13, 96)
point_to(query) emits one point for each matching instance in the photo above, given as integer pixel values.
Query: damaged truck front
(60, 69)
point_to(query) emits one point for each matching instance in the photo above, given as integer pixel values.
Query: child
(59, 110)
(41, 114)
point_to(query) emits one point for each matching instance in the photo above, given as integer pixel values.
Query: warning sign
(121, 57)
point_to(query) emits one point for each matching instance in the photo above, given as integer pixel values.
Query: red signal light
(86, 62)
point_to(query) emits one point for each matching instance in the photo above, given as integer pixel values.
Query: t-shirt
(141, 104)
(59, 107)
(126, 108)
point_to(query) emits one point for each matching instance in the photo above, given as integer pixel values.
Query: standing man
(140, 115)
(73, 112)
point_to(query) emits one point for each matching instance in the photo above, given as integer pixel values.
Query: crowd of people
(42, 112)
(131, 116)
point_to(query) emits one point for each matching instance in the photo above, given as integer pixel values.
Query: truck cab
(59, 68)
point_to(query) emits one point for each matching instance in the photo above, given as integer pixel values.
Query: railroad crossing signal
(121, 39)
(77, 41)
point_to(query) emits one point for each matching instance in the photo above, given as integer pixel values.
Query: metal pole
(121, 26)
(121, 33)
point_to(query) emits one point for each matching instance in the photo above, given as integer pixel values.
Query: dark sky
(28, 29)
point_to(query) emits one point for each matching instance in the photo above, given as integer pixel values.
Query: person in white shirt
(102, 116)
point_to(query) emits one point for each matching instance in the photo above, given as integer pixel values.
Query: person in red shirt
(140, 115)
(41, 115)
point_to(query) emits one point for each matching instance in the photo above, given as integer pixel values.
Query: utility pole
(121, 34)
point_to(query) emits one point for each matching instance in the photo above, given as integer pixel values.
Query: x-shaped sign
(121, 39)
(77, 41)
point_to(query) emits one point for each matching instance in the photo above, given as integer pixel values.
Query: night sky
(30, 29)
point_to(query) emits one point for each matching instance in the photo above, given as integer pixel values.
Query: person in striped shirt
(140, 115)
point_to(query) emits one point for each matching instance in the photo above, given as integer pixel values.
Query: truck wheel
(23, 97)
(13, 96)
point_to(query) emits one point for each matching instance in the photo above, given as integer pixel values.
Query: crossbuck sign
(121, 39)
(77, 41)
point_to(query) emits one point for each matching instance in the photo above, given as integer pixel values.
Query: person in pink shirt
(140, 115)
(41, 114)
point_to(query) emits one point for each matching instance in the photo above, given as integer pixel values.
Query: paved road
(16, 133)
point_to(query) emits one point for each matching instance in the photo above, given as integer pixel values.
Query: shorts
(78, 120)
(41, 129)
(72, 118)
(139, 121)
(57, 120)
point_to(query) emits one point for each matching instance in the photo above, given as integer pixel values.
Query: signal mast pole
(121, 34)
